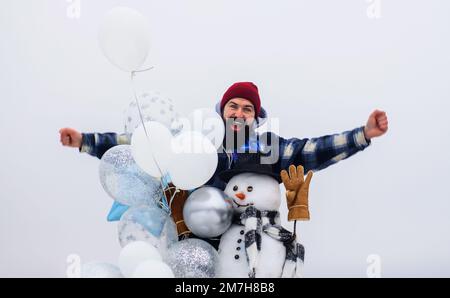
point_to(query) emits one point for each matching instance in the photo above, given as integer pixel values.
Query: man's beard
(235, 139)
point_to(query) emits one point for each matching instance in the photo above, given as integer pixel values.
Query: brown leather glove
(297, 191)
(176, 206)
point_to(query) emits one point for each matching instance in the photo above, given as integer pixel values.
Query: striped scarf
(256, 222)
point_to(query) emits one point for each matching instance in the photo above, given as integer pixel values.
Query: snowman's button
(240, 240)
(236, 257)
(238, 248)
(242, 232)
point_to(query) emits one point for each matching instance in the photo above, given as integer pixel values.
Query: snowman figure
(256, 245)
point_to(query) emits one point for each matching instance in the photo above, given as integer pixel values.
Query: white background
(322, 66)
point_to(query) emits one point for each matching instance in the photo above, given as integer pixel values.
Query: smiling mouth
(239, 205)
(237, 124)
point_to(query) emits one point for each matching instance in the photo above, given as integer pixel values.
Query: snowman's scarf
(257, 222)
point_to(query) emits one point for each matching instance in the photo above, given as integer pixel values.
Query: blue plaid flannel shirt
(313, 154)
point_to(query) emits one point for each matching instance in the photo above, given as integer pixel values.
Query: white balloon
(208, 123)
(194, 160)
(152, 153)
(124, 38)
(134, 254)
(154, 107)
(153, 269)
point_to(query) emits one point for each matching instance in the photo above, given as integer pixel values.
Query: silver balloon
(124, 181)
(100, 270)
(154, 107)
(208, 212)
(150, 224)
(192, 258)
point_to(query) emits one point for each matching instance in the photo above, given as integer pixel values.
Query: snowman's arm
(297, 192)
(96, 144)
(319, 153)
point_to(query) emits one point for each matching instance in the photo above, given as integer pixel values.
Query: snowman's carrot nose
(240, 196)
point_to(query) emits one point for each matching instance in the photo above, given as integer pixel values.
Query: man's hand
(377, 125)
(70, 137)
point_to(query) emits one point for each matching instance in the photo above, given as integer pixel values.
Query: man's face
(237, 113)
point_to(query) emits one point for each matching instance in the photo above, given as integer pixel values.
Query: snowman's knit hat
(249, 163)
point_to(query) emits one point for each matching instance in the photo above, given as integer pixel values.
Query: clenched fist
(377, 125)
(70, 137)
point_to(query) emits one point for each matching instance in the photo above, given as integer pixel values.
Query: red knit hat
(245, 90)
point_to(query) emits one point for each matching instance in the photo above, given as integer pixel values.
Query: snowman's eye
(235, 188)
(250, 188)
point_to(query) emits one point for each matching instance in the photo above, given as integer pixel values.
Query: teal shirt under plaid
(313, 154)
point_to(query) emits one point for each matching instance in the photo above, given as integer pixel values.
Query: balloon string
(164, 205)
(164, 202)
(133, 74)
(143, 70)
(177, 190)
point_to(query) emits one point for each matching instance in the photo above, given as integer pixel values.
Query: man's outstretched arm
(95, 144)
(319, 153)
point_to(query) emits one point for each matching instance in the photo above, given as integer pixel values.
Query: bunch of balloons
(147, 233)
(126, 183)
(165, 150)
(146, 230)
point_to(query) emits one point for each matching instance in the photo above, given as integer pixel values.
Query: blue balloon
(116, 212)
(125, 182)
(147, 223)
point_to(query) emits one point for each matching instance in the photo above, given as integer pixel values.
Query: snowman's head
(249, 189)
